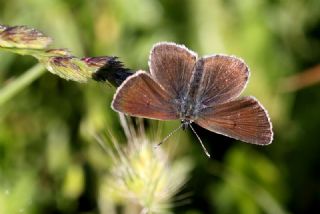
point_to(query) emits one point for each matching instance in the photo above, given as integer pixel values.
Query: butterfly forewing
(224, 78)
(172, 65)
(244, 119)
(141, 96)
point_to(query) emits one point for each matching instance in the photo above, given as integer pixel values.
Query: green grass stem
(13, 88)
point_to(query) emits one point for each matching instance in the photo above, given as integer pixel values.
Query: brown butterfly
(195, 90)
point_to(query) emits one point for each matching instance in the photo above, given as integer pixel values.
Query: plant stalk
(13, 88)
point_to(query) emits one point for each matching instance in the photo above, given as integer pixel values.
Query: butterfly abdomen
(191, 101)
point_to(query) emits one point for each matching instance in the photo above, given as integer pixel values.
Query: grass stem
(13, 88)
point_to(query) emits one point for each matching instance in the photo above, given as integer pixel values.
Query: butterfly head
(185, 123)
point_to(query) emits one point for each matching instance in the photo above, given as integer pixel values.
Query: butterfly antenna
(168, 136)
(203, 147)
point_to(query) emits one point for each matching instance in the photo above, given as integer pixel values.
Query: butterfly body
(195, 90)
(191, 104)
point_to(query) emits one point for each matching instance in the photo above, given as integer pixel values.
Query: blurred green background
(51, 163)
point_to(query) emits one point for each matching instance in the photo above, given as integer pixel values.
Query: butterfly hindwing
(171, 66)
(223, 79)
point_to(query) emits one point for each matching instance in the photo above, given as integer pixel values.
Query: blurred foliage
(141, 178)
(49, 160)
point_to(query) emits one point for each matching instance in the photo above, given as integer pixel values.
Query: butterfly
(201, 90)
